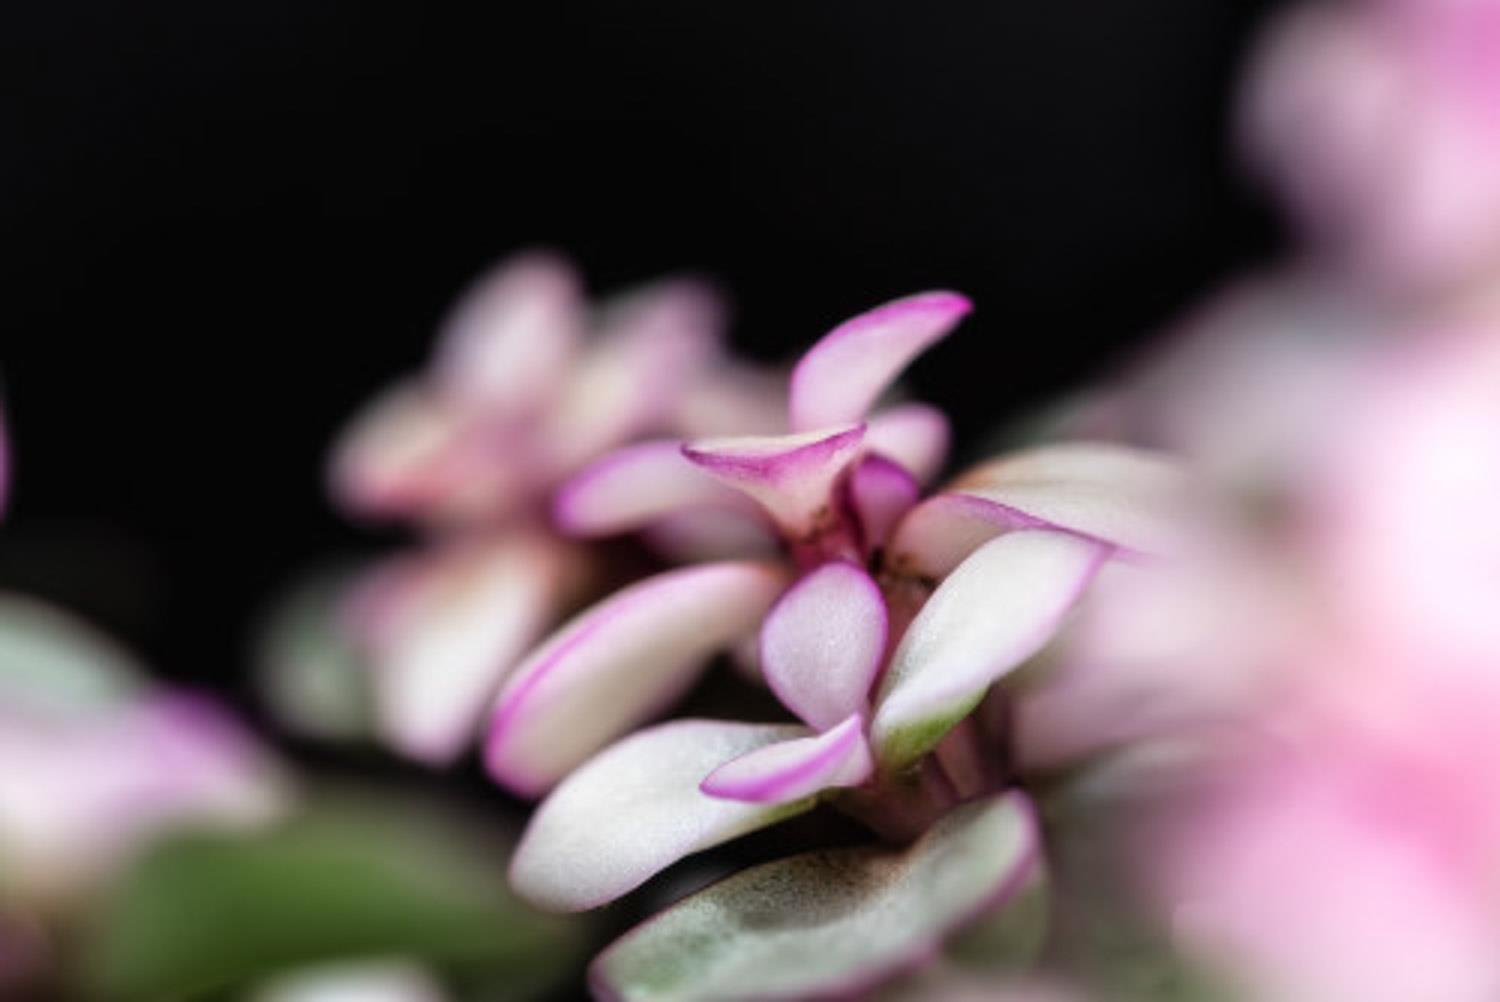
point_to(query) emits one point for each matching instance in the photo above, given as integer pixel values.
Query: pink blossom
(1380, 121)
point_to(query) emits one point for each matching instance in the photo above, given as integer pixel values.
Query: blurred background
(227, 224)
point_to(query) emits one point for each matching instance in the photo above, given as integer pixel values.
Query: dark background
(225, 224)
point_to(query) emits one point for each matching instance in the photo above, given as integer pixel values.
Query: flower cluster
(882, 627)
(526, 385)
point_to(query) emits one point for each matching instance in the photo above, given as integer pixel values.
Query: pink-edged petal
(830, 924)
(990, 615)
(1129, 498)
(653, 344)
(792, 770)
(712, 534)
(512, 336)
(444, 630)
(792, 476)
(635, 809)
(916, 436)
(880, 492)
(618, 663)
(822, 643)
(637, 485)
(842, 375)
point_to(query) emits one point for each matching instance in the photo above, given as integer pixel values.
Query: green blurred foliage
(353, 876)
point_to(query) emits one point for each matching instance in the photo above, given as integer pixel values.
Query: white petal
(635, 809)
(618, 663)
(823, 642)
(1127, 497)
(448, 632)
(991, 614)
(842, 375)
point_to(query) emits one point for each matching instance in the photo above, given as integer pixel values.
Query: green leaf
(832, 922)
(348, 879)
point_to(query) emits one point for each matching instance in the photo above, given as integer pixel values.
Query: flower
(96, 761)
(882, 628)
(525, 386)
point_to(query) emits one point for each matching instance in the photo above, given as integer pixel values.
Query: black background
(225, 224)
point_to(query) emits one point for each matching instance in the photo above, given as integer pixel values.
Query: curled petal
(652, 345)
(992, 613)
(616, 664)
(636, 486)
(880, 492)
(1126, 497)
(635, 809)
(914, 435)
(829, 924)
(822, 643)
(846, 371)
(792, 770)
(512, 336)
(792, 476)
(442, 630)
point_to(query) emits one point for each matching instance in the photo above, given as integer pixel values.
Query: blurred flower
(901, 616)
(1380, 121)
(525, 386)
(97, 762)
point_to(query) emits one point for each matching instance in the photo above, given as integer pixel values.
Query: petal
(615, 665)
(652, 345)
(450, 626)
(914, 435)
(635, 486)
(991, 614)
(880, 492)
(832, 923)
(635, 809)
(512, 336)
(1129, 498)
(792, 476)
(791, 770)
(842, 375)
(823, 642)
